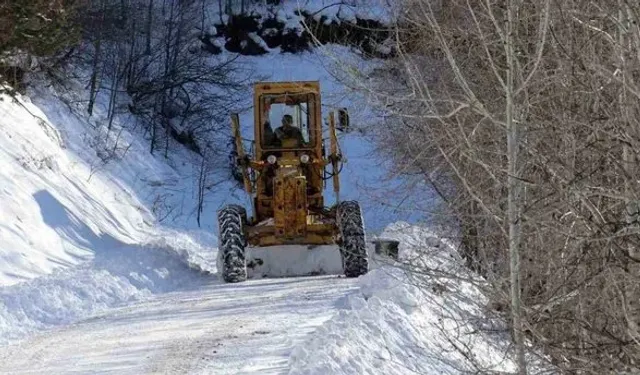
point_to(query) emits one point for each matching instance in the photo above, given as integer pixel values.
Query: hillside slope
(75, 240)
(54, 212)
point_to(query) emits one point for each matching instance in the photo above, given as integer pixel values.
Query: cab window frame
(310, 117)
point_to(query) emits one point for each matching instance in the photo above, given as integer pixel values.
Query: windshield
(286, 120)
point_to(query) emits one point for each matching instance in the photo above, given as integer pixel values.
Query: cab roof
(261, 88)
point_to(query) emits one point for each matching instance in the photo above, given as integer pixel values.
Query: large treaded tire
(352, 245)
(232, 243)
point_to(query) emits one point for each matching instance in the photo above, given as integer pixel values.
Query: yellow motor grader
(285, 177)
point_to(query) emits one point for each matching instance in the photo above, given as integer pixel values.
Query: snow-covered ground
(125, 296)
(248, 328)
(377, 324)
(402, 323)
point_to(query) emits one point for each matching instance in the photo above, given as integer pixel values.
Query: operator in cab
(285, 132)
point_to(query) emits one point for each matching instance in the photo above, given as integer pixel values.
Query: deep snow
(378, 324)
(118, 275)
(51, 214)
(395, 323)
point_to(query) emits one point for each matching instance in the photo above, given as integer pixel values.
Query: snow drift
(51, 214)
(391, 326)
(75, 238)
(117, 275)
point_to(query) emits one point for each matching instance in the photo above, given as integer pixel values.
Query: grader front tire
(232, 243)
(352, 247)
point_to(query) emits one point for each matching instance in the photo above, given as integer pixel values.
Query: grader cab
(285, 177)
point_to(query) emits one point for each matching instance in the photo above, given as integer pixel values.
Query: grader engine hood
(290, 203)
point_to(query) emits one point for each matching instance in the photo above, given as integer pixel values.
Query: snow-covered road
(247, 328)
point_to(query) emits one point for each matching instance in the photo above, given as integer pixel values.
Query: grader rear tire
(232, 243)
(352, 247)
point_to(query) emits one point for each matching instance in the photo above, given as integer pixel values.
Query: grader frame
(296, 204)
(285, 178)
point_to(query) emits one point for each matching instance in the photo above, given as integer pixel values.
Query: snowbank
(69, 189)
(390, 326)
(51, 214)
(115, 277)
(78, 234)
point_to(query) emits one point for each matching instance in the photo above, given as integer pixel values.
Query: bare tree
(522, 116)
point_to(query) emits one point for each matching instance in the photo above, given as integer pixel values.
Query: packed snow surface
(389, 325)
(380, 323)
(248, 328)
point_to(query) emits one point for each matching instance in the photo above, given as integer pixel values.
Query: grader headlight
(272, 159)
(304, 158)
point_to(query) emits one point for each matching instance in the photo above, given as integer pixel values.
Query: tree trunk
(113, 96)
(153, 137)
(93, 91)
(632, 299)
(201, 186)
(123, 11)
(131, 65)
(514, 189)
(149, 26)
(97, 59)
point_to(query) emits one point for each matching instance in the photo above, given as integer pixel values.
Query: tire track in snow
(247, 328)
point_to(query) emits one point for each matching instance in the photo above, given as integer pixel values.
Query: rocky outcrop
(256, 34)
(367, 35)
